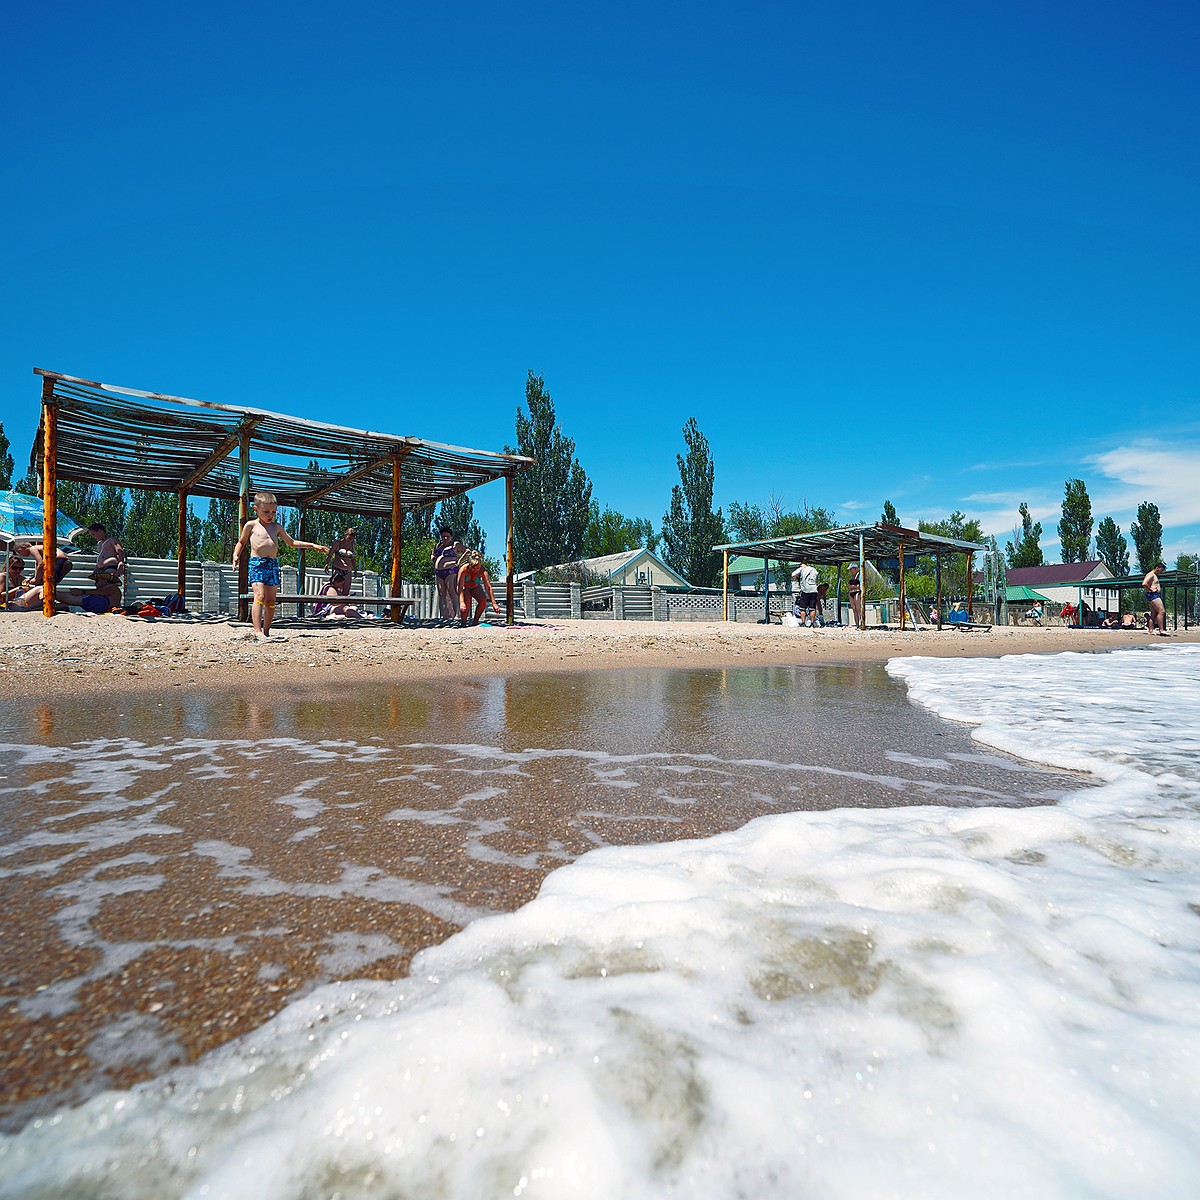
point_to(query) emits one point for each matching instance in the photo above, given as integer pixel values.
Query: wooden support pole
(970, 583)
(508, 549)
(243, 570)
(725, 586)
(766, 591)
(396, 611)
(839, 594)
(903, 598)
(181, 546)
(49, 495)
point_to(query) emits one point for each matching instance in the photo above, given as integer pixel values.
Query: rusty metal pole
(862, 584)
(970, 583)
(302, 560)
(181, 572)
(508, 548)
(243, 570)
(937, 569)
(397, 539)
(49, 494)
(903, 599)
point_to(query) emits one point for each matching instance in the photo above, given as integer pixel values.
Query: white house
(630, 568)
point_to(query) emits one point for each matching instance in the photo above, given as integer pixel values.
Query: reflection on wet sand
(173, 870)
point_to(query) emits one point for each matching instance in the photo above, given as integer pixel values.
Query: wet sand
(197, 828)
(73, 654)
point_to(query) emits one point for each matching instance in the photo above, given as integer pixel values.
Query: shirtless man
(264, 534)
(108, 573)
(1158, 611)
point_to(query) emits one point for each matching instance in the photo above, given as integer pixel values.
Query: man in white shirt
(805, 576)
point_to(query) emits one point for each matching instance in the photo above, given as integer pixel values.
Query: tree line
(557, 521)
(1075, 536)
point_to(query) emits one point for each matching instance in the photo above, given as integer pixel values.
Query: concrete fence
(212, 588)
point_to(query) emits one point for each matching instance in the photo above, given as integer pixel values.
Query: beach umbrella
(22, 519)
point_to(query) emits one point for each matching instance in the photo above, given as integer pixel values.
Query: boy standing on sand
(264, 535)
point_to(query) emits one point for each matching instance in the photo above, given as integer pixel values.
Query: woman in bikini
(855, 588)
(474, 583)
(445, 556)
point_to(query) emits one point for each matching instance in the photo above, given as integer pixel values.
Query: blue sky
(937, 253)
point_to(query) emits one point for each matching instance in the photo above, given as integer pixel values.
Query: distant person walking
(805, 576)
(1158, 611)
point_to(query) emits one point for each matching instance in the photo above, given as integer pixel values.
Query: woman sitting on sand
(15, 585)
(334, 608)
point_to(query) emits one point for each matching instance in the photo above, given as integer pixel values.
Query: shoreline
(79, 655)
(344, 846)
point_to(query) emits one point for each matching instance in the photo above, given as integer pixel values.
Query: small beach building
(630, 568)
(1059, 583)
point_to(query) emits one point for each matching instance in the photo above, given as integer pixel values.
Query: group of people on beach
(28, 593)
(462, 579)
(811, 596)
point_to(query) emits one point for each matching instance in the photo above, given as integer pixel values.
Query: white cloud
(1166, 475)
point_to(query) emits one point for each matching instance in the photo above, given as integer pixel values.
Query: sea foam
(856, 1003)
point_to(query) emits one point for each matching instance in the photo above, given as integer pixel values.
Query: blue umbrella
(22, 517)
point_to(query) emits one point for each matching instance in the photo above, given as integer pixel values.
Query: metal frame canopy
(103, 434)
(855, 544)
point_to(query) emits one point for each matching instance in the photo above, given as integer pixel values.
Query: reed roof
(828, 547)
(128, 438)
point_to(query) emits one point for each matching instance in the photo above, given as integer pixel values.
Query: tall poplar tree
(1147, 533)
(888, 516)
(1026, 552)
(1112, 547)
(1075, 528)
(552, 499)
(690, 527)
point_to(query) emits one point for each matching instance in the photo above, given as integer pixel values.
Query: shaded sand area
(196, 830)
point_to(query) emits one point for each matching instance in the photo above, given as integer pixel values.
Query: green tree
(27, 484)
(152, 524)
(551, 500)
(1026, 552)
(954, 568)
(609, 532)
(6, 461)
(218, 531)
(1075, 528)
(888, 516)
(1112, 547)
(690, 527)
(1147, 533)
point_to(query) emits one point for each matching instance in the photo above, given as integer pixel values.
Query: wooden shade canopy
(102, 434)
(855, 544)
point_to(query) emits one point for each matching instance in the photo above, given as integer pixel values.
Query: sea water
(904, 1002)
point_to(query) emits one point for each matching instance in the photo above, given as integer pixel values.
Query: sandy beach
(200, 827)
(122, 653)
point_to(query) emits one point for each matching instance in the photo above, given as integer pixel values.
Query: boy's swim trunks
(264, 570)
